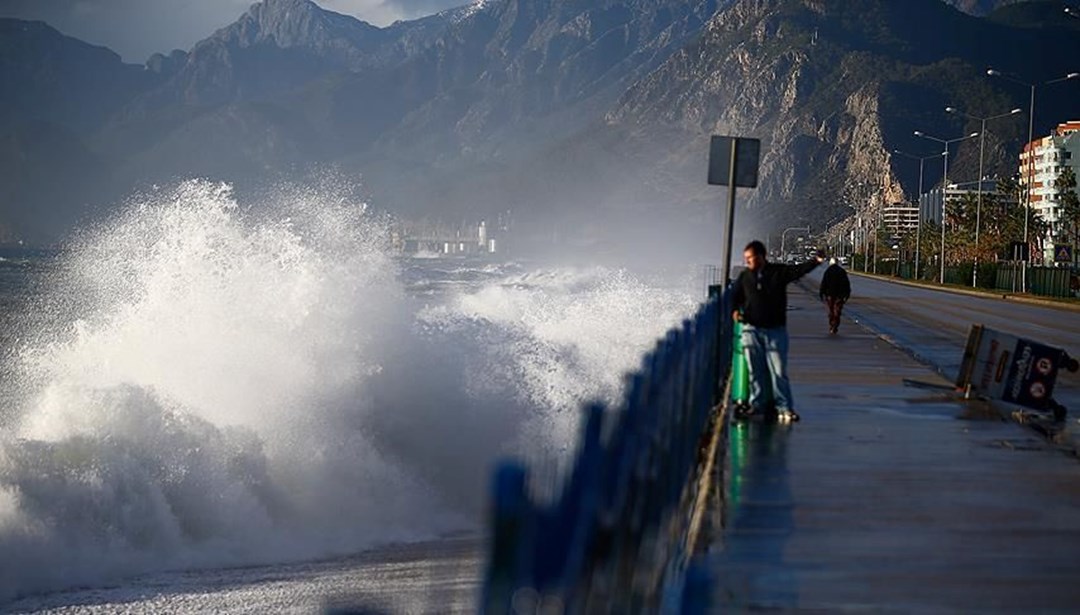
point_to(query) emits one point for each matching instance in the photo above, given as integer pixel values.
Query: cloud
(138, 28)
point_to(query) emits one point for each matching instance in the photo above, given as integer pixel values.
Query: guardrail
(621, 532)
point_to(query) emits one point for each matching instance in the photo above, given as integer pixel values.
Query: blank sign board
(746, 161)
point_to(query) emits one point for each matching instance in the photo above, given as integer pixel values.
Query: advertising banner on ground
(1001, 366)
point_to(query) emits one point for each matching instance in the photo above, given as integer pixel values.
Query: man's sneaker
(787, 416)
(743, 410)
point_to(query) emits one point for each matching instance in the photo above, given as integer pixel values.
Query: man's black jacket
(835, 283)
(763, 296)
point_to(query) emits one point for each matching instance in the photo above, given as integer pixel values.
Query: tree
(929, 241)
(960, 229)
(1003, 221)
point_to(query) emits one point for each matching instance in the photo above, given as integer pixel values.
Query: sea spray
(555, 338)
(197, 394)
(209, 383)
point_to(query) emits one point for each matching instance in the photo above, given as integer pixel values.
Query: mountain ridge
(831, 124)
(482, 108)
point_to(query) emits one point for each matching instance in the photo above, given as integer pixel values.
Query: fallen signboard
(1001, 366)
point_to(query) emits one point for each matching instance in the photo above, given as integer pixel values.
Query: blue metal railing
(617, 537)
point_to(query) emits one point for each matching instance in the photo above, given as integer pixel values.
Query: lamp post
(877, 231)
(1030, 174)
(978, 203)
(832, 239)
(783, 237)
(873, 236)
(864, 241)
(944, 187)
(918, 202)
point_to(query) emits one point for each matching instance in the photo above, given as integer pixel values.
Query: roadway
(933, 324)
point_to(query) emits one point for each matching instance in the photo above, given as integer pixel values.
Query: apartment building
(1041, 162)
(900, 218)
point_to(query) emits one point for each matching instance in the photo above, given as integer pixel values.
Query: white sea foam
(200, 394)
(555, 338)
(213, 383)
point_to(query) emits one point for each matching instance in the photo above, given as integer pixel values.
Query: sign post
(1062, 253)
(733, 162)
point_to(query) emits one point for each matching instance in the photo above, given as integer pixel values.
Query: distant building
(1041, 162)
(930, 203)
(437, 238)
(900, 218)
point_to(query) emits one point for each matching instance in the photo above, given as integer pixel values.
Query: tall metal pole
(978, 207)
(865, 249)
(730, 216)
(918, 205)
(918, 219)
(1030, 175)
(1027, 191)
(856, 239)
(944, 187)
(874, 236)
(783, 237)
(944, 196)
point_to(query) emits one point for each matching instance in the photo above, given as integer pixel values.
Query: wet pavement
(933, 324)
(891, 498)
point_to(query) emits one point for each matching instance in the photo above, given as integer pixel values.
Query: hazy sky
(137, 28)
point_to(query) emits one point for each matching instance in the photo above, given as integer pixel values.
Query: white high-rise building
(1041, 162)
(900, 218)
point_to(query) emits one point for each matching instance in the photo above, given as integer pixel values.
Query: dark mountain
(56, 91)
(413, 107)
(518, 77)
(45, 75)
(274, 47)
(584, 111)
(48, 180)
(981, 8)
(832, 87)
(1042, 14)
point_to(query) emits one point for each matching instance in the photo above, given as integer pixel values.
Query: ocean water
(200, 386)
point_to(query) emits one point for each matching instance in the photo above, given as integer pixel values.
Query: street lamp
(978, 206)
(877, 231)
(783, 237)
(918, 199)
(944, 187)
(1030, 175)
(1071, 12)
(874, 230)
(832, 239)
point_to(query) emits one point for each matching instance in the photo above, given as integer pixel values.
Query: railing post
(509, 540)
(615, 537)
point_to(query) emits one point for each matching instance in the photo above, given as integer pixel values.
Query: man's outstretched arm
(794, 272)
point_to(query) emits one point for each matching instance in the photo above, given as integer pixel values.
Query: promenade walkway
(888, 498)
